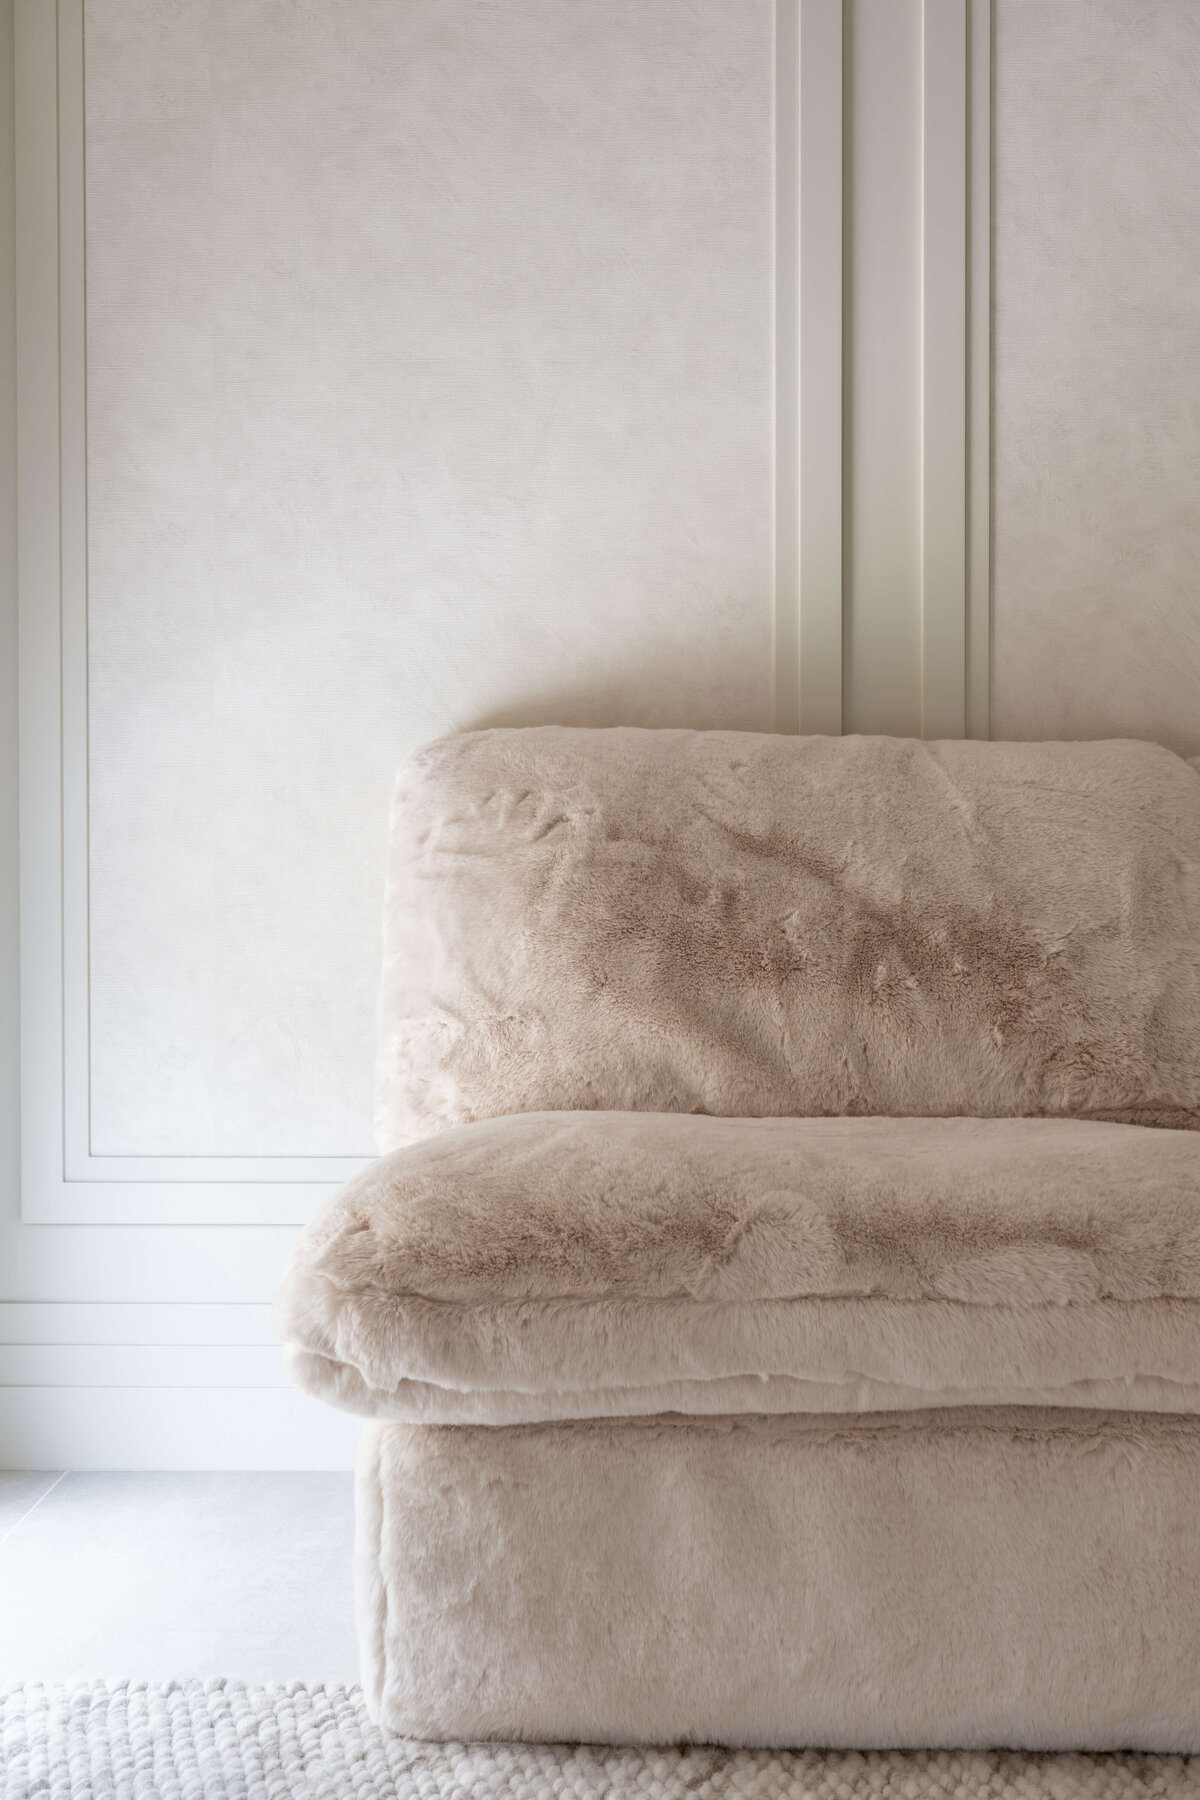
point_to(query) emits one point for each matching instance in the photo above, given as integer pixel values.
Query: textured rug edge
(224, 1739)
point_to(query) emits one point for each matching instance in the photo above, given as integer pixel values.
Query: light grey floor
(160, 1576)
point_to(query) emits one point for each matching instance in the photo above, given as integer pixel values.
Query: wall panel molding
(222, 1428)
(808, 366)
(979, 370)
(841, 590)
(787, 366)
(62, 1182)
(943, 368)
(130, 1322)
(956, 367)
(255, 1366)
(821, 523)
(884, 368)
(71, 1426)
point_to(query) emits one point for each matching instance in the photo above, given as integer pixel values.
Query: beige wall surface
(1096, 282)
(430, 372)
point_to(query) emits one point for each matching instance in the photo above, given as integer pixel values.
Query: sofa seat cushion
(588, 1264)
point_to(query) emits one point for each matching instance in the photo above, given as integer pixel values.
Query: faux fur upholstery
(966, 1579)
(848, 1086)
(726, 923)
(559, 1265)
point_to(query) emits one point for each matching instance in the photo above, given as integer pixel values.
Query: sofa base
(1006, 1577)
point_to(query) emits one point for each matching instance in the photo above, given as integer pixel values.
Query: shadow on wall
(619, 701)
(680, 687)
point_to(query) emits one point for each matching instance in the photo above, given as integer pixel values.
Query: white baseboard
(174, 1321)
(142, 1366)
(172, 1428)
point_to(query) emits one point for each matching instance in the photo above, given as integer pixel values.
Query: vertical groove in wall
(787, 366)
(72, 403)
(10, 987)
(943, 368)
(808, 365)
(846, 277)
(36, 204)
(821, 360)
(979, 368)
(881, 670)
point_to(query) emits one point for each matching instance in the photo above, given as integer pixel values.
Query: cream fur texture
(780, 1078)
(566, 1265)
(969, 1579)
(735, 924)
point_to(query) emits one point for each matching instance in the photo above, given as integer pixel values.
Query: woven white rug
(221, 1740)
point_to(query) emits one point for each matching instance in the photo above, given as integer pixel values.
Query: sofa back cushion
(736, 924)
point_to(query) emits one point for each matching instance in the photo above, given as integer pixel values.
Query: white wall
(1097, 370)
(439, 369)
(427, 363)
(429, 359)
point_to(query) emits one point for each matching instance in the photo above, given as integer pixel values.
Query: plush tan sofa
(777, 1305)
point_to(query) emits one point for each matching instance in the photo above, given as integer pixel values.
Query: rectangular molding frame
(62, 1182)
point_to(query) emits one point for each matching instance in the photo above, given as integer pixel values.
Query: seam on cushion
(465, 1316)
(615, 1297)
(963, 1396)
(1078, 1424)
(1081, 1424)
(706, 1381)
(875, 1381)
